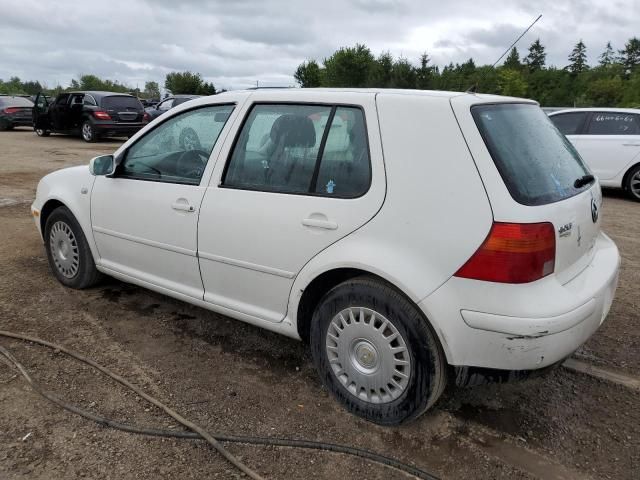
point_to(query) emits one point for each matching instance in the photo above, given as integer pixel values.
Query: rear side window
(121, 101)
(303, 149)
(537, 163)
(612, 123)
(569, 123)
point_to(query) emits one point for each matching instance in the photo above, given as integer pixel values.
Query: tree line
(175, 83)
(613, 82)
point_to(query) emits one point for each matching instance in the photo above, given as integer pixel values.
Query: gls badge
(594, 209)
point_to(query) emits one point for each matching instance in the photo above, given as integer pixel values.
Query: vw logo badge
(594, 210)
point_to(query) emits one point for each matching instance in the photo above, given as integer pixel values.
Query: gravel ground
(233, 378)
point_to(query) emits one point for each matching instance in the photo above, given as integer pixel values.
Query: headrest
(293, 131)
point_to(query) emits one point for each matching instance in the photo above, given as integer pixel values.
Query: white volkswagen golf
(409, 237)
(608, 139)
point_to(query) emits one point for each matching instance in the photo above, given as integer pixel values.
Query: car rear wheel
(89, 132)
(632, 185)
(376, 353)
(41, 132)
(68, 252)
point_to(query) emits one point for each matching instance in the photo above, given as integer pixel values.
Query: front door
(145, 217)
(298, 178)
(41, 113)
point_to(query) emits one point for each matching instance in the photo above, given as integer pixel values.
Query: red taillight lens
(11, 110)
(100, 115)
(513, 253)
(145, 117)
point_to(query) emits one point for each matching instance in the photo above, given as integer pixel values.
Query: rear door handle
(319, 223)
(183, 206)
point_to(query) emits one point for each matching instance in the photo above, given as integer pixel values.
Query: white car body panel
(246, 253)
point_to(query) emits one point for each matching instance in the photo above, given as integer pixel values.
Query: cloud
(234, 44)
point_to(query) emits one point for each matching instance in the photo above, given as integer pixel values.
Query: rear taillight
(145, 117)
(100, 115)
(513, 253)
(11, 110)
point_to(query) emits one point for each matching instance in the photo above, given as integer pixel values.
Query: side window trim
(164, 119)
(310, 193)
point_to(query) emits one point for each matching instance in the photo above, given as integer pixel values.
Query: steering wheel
(191, 164)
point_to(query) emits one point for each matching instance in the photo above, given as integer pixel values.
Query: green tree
(578, 58)
(308, 74)
(207, 89)
(630, 55)
(425, 73)
(381, 73)
(607, 57)
(403, 74)
(537, 56)
(349, 67)
(151, 90)
(511, 83)
(183, 83)
(513, 60)
(606, 92)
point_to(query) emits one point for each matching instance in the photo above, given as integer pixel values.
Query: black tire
(632, 179)
(88, 132)
(42, 132)
(428, 376)
(86, 275)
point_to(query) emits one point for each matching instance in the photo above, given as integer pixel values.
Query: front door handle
(320, 223)
(183, 205)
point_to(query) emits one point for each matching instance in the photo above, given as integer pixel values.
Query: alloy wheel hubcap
(86, 131)
(64, 249)
(635, 184)
(368, 355)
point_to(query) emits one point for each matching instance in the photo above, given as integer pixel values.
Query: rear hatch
(17, 108)
(123, 108)
(545, 179)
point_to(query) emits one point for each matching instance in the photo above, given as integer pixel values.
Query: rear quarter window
(614, 123)
(537, 162)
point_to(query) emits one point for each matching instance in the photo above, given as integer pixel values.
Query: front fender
(71, 187)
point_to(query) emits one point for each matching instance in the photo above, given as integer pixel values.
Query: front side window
(569, 123)
(537, 163)
(612, 123)
(177, 151)
(303, 149)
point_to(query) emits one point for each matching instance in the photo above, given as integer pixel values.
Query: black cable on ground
(197, 432)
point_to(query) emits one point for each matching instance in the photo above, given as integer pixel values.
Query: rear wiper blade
(584, 180)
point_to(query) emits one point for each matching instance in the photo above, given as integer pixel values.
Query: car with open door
(608, 139)
(411, 238)
(90, 114)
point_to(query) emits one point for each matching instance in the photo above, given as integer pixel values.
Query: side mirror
(102, 165)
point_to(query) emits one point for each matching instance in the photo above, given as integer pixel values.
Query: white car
(608, 139)
(410, 237)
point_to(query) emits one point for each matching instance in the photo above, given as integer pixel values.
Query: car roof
(100, 94)
(596, 109)
(184, 95)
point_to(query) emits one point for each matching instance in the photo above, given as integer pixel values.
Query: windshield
(537, 162)
(121, 101)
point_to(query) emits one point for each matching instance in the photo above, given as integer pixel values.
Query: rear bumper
(523, 327)
(115, 129)
(17, 122)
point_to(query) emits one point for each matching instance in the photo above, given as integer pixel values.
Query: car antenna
(473, 88)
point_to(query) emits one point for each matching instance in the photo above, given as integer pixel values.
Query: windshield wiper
(583, 180)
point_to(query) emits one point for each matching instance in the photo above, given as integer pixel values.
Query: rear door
(123, 108)
(610, 143)
(529, 169)
(297, 177)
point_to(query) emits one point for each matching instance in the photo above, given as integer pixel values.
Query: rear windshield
(15, 102)
(121, 101)
(537, 163)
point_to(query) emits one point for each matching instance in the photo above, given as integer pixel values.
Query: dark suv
(90, 114)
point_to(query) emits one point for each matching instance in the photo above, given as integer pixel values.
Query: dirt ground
(233, 378)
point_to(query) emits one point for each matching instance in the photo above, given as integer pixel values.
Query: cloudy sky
(235, 43)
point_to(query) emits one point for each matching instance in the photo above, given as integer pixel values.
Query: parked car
(608, 139)
(91, 115)
(410, 237)
(15, 111)
(149, 102)
(167, 104)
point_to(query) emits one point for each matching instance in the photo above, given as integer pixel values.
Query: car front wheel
(632, 185)
(68, 252)
(376, 353)
(89, 132)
